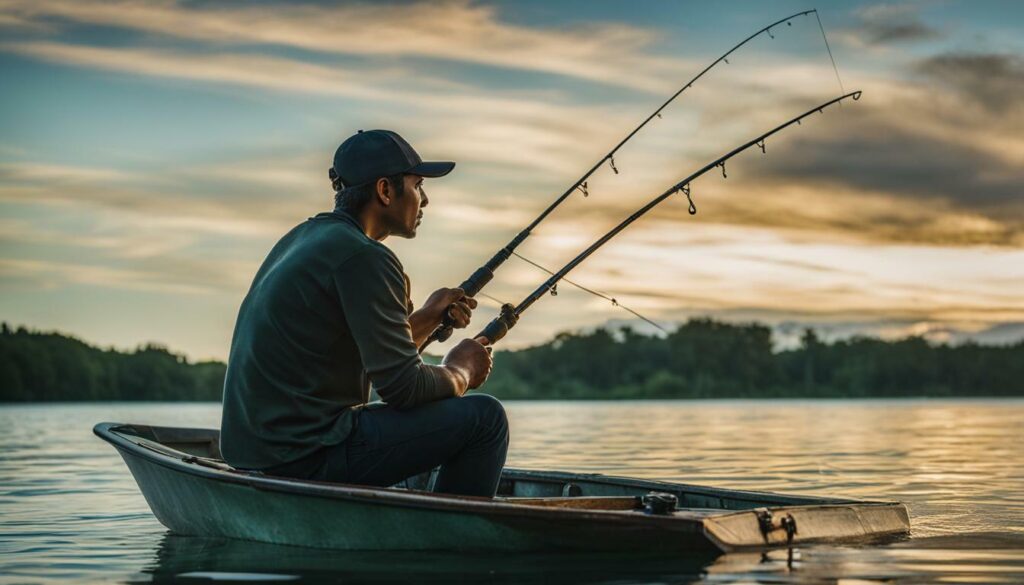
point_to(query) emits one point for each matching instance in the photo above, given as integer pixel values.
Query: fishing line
(833, 59)
(490, 298)
(615, 302)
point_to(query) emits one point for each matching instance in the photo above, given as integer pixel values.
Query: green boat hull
(192, 492)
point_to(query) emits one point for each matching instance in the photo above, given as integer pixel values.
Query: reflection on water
(69, 509)
(178, 555)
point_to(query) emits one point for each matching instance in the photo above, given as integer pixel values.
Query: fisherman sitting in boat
(328, 314)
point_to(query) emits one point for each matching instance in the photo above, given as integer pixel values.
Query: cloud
(507, 128)
(162, 277)
(608, 53)
(995, 82)
(115, 239)
(882, 24)
(878, 153)
(60, 174)
(145, 198)
(806, 203)
(22, 24)
(897, 166)
(239, 199)
(790, 263)
(909, 163)
(246, 70)
(480, 217)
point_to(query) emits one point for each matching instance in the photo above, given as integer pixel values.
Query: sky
(151, 154)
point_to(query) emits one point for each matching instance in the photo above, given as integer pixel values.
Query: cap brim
(432, 169)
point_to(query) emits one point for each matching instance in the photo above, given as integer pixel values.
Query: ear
(384, 194)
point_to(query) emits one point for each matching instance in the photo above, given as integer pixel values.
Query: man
(328, 314)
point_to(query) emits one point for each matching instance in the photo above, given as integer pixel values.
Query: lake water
(70, 510)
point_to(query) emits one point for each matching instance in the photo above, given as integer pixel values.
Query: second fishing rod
(509, 315)
(483, 275)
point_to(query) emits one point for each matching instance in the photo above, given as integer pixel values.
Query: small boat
(192, 491)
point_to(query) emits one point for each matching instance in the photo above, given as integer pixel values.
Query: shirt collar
(340, 215)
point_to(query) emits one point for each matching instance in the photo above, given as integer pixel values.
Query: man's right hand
(473, 361)
(450, 302)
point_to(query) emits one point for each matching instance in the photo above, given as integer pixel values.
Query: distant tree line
(701, 359)
(37, 366)
(709, 359)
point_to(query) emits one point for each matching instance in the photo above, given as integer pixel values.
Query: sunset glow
(151, 153)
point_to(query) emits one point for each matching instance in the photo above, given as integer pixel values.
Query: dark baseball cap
(370, 155)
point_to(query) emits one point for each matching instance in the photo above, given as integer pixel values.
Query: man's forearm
(458, 376)
(422, 326)
(426, 383)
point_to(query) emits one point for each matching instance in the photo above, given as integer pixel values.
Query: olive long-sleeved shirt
(327, 314)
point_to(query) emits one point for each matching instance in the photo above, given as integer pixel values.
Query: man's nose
(423, 198)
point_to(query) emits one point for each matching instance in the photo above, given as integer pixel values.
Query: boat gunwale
(444, 502)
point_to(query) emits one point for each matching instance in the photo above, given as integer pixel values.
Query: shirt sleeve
(374, 298)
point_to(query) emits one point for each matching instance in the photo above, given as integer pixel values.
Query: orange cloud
(458, 31)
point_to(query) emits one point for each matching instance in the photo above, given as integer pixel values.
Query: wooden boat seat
(608, 503)
(579, 502)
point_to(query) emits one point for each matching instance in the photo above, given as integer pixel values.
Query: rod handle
(471, 287)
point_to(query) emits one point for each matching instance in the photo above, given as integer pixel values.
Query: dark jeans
(467, 437)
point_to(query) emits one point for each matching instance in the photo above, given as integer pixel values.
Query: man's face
(407, 209)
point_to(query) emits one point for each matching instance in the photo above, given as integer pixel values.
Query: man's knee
(489, 409)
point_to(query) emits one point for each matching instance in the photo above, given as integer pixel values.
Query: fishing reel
(500, 325)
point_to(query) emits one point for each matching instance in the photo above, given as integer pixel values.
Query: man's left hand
(450, 301)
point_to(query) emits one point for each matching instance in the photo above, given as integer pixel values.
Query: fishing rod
(509, 315)
(483, 275)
